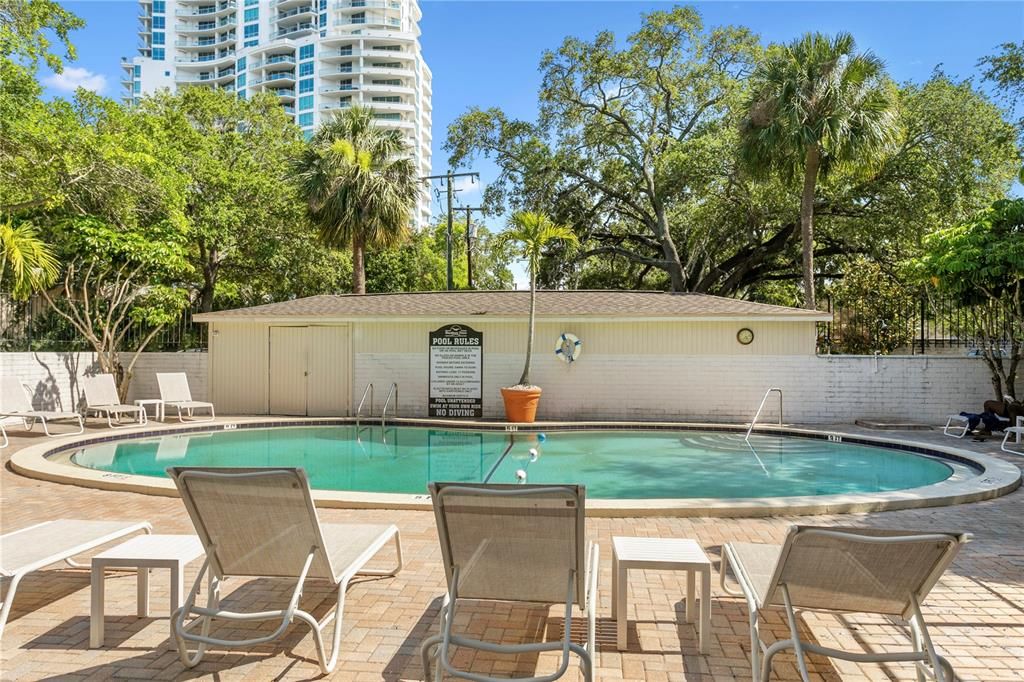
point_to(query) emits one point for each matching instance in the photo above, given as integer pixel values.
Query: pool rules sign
(456, 372)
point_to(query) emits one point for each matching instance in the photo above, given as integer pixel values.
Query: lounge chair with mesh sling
(843, 570)
(14, 402)
(101, 396)
(517, 543)
(257, 523)
(174, 391)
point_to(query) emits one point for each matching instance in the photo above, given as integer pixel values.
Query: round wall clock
(745, 336)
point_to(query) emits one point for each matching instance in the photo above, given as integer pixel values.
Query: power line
(469, 242)
(446, 180)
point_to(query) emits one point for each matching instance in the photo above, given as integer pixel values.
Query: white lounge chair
(844, 570)
(29, 549)
(1016, 432)
(14, 402)
(101, 397)
(951, 429)
(262, 523)
(521, 543)
(174, 391)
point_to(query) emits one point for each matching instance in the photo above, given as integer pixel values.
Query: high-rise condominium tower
(317, 56)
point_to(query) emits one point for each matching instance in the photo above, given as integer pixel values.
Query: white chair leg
(755, 646)
(5, 608)
(327, 664)
(949, 421)
(801, 661)
(192, 659)
(1006, 440)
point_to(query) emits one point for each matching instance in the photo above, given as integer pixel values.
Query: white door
(289, 361)
(329, 389)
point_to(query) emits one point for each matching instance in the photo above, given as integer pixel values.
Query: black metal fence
(33, 326)
(913, 326)
(910, 326)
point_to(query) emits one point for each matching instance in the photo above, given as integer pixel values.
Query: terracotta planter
(520, 405)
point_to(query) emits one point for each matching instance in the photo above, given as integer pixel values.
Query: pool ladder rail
(761, 407)
(368, 391)
(393, 391)
(359, 410)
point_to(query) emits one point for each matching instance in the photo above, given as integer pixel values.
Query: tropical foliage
(117, 281)
(27, 263)
(736, 233)
(678, 157)
(533, 232)
(981, 263)
(814, 105)
(359, 185)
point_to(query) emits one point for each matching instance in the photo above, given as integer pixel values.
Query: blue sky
(485, 53)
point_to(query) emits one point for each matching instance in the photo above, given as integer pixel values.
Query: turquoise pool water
(612, 464)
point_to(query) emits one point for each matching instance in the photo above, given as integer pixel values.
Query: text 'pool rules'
(456, 372)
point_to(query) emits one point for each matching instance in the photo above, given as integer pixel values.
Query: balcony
(280, 76)
(391, 107)
(341, 71)
(298, 28)
(212, 10)
(388, 89)
(367, 4)
(328, 89)
(295, 12)
(327, 106)
(205, 26)
(206, 42)
(388, 71)
(283, 93)
(276, 59)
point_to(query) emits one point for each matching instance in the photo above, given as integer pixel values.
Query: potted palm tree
(531, 232)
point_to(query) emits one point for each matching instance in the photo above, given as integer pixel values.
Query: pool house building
(597, 354)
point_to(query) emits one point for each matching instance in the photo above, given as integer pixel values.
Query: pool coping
(995, 477)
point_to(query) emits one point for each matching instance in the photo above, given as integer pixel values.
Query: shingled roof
(574, 303)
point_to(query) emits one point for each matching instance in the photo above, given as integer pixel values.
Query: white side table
(661, 554)
(144, 552)
(158, 406)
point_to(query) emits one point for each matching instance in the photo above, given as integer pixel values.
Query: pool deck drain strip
(995, 477)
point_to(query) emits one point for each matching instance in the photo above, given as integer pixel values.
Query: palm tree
(815, 104)
(27, 258)
(359, 186)
(532, 232)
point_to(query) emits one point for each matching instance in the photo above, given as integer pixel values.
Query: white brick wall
(824, 389)
(54, 377)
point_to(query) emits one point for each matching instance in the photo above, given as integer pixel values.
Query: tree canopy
(981, 263)
(613, 155)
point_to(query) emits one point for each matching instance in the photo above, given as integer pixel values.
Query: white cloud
(75, 77)
(465, 189)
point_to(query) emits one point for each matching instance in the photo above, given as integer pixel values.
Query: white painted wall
(817, 389)
(54, 377)
(825, 389)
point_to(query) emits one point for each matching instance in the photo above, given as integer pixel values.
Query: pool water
(631, 464)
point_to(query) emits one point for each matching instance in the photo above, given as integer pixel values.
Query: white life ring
(568, 348)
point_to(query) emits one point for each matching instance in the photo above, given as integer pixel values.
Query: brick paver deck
(976, 611)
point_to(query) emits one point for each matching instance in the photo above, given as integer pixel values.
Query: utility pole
(469, 243)
(447, 180)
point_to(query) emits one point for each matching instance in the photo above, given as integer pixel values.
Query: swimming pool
(614, 465)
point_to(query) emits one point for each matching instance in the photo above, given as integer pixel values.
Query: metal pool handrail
(761, 407)
(387, 401)
(359, 410)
